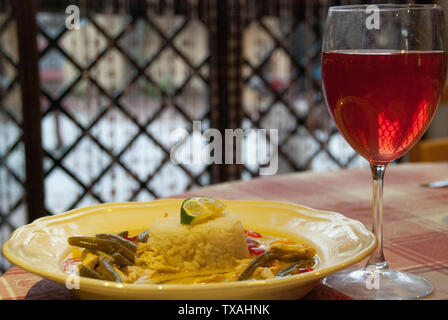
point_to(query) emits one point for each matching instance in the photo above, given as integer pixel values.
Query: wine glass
(383, 71)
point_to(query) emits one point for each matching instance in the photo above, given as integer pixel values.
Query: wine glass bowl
(383, 73)
(383, 101)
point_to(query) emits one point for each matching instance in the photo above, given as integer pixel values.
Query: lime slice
(197, 209)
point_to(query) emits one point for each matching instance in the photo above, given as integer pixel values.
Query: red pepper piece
(253, 247)
(252, 233)
(256, 250)
(134, 238)
(302, 270)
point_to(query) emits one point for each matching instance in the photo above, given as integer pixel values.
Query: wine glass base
(377, 284)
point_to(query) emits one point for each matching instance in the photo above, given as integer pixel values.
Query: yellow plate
(41, 246)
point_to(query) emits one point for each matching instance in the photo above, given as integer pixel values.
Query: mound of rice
(210, 245)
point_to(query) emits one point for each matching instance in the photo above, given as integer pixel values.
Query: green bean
(106, 269)
(287, 271)
(124, 242)
(88, 272)
(108, 246)
(90, 243)
(117, 247)
(259, 261)
(127, 254)
(295, 267)
(121, 260)
(74, 241)
(123, 233)
(143, 236)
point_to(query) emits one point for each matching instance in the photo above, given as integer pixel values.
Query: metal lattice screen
(281, 76)
(112, 92)
(13, 211)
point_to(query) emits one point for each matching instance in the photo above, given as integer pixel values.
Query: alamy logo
(373, 20)
(252, 146)
(72, 21)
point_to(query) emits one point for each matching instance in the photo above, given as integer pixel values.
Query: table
(415, 226)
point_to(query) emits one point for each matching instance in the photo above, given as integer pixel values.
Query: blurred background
(89, 117)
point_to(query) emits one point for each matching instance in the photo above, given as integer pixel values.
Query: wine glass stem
(377, 259)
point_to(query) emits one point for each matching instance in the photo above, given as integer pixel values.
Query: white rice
(211, 245)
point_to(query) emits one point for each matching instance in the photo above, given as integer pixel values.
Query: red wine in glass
(383, 83)
(383, 101)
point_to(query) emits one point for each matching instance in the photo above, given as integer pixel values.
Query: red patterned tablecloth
(415, 227)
